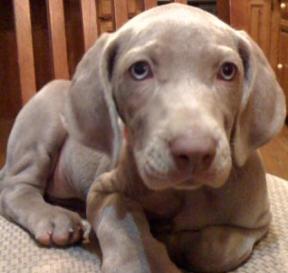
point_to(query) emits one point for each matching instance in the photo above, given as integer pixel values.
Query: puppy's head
(194, 94)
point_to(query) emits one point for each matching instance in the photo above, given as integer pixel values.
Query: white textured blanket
(20, 254)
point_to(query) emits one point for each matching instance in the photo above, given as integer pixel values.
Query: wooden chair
(57, 36)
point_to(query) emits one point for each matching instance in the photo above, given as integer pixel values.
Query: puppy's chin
(213, 181)
(184, 182)
(195, 183)
(187, 186)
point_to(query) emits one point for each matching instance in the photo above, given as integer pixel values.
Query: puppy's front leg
(123, 232)
(33, 147)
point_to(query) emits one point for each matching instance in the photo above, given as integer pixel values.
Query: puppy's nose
(193, 150)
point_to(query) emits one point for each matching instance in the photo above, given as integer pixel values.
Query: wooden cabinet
(26, 25)
(260, 14)
(254, 16)
(282, 60)
(267, 22)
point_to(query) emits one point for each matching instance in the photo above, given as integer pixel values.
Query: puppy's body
(188, 163)
(73, 167)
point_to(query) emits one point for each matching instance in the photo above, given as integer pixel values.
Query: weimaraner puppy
(178, 181)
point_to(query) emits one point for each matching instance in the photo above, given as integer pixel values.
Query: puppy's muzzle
(193, 151)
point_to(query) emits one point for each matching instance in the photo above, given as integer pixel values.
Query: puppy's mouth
(177, 179)
(195, 181)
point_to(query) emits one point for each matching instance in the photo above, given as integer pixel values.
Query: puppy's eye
(227, 71)
(140, 71)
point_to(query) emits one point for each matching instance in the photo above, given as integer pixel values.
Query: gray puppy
(180, 181)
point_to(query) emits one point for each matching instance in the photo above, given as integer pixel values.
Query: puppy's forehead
(176, 22)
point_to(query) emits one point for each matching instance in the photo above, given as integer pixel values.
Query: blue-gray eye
(227, 71)
(140, 71)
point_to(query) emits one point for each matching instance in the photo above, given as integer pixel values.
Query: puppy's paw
(57, 226)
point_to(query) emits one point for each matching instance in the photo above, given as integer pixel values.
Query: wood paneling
(10, 98)
(282, 60)
(74, 33)
(282, 66)
(55, 10)
(120, 12)
(267, 23)
(239, 14)
(24, 48)
(5, 128)
(89, 22)
(223, 11)
(260, 22)
(134, 7)
(148, 4)
(106, 26)
(181, 1)
(279, 42)
(105, 9)
(274, 34)
(254, 16)
(41, 48)
(283, 5)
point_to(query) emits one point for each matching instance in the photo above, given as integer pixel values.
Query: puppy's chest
(175, 210)
(162, 205)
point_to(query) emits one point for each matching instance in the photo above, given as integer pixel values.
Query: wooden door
(260, 16)
(282, 60)
(267, 22)
(254, 16)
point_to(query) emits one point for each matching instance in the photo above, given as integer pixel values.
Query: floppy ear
(90, 115)
(263, 109)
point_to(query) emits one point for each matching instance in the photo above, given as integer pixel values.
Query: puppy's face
(177, 84)
(193, 94)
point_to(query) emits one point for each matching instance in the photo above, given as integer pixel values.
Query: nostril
(207, 159)
(182, 160)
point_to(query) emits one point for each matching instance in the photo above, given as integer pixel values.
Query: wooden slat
(148, 4)
(239, 14)
(24, 48)
(89, 22)
(181, 1)
(55, 10)
(223, 10)
(120, 12)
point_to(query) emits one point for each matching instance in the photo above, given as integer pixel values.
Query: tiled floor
(275, 153)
